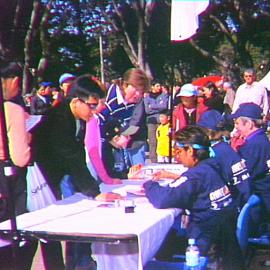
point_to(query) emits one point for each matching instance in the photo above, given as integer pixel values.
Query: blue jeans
(77, 254)
(137, 155)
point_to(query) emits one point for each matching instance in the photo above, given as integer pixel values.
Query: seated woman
(203, 192)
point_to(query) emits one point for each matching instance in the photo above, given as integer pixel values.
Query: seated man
(202, 191)
(255, 150)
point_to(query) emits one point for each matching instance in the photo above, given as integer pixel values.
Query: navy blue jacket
(115, 108)
(233, 170)
(200, 189)
(38, 106)
(256, 152)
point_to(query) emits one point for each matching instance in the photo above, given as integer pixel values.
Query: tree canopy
(52, 36)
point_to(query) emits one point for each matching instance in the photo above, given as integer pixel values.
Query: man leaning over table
(59, 141)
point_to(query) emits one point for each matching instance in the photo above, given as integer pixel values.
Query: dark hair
(11, 70)
(212, 87)
(166, 112)
(191, 135)
(85, 86)
(156, 81)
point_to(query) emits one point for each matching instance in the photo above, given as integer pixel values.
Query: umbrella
(211, 78)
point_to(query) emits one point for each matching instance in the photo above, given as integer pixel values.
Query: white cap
(188, 90)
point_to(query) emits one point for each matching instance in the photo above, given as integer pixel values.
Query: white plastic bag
(39, 194)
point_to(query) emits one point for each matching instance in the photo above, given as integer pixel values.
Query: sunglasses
(91, 106)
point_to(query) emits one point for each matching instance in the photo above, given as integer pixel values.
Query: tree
(234, 27)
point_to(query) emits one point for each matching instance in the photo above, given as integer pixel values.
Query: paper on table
(134, 189)
(32, 121)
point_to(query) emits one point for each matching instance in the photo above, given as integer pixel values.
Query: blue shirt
(234, 171)
(256, 152)
(200, 189)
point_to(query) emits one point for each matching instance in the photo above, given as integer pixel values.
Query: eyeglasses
(248, 76)
(91, 106)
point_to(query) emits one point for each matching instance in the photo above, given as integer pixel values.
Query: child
(203, 192)
(163, 138)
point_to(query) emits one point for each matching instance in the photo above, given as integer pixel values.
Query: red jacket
(179, 120)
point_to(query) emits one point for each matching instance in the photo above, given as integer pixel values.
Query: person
(93, 146)
(212, 97)
(155, 102)
(229, 97)
(232, 166)
(136, 83)
(128, 106)
(163, 138)
(41, 102)
(251, 91)
(20, 155)
(255, 150)
(115, 107)
(65, 83)
(188, 112)
(203, 192)
(59, 144)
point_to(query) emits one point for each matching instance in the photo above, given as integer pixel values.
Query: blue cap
(66, 76)
(210, 119)
(250, 110)
(188, 90)
(45, 84)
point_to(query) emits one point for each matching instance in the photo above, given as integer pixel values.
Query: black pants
(221, 231)
(12, 203)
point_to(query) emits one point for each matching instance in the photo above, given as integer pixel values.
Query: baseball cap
(45, 84)
(66, 76)
(250, 110)
(188, 90)
(210, 119)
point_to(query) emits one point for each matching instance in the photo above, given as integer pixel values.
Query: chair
(243, 222)
(175, 265)
(262, 242)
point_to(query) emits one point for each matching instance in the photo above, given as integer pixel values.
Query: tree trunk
(28, 43)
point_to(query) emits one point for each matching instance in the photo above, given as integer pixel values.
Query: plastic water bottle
(192, 256)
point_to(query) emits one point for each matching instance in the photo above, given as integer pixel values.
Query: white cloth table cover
(79, 215)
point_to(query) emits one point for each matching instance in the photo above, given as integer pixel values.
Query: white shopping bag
(39, 194)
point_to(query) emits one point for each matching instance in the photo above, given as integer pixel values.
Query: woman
(212, 97)
(202, 191)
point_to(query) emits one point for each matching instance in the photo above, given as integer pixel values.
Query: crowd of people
(90, 133)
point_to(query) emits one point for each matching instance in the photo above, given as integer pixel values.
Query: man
(41, 102)
(251, 91)
(59, 142)
(229, 97)
(20, 154)
(155, 102)
(125, 103)
(65, 82)
(255, 150)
